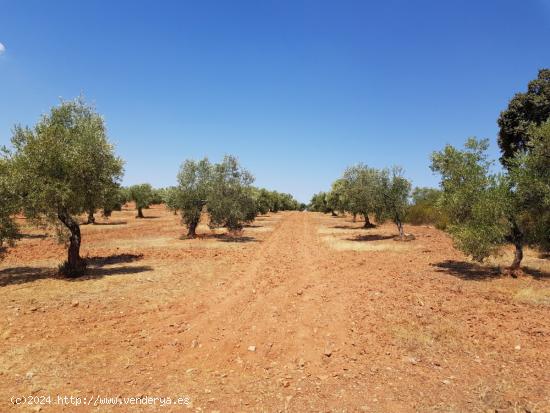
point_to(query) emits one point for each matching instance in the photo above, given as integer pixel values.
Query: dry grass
(347, 245)
(533, 296)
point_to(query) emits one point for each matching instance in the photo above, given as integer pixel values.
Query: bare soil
(302, 312)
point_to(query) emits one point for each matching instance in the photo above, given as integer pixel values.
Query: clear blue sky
(297, 90)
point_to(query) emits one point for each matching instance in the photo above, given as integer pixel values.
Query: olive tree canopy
(525, 111)
(142, 195)
(487, 210)
(231, 203)
(193, 192)
(57, 165)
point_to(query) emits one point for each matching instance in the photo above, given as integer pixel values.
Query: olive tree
(231, 202)
(264, 200)
(318, 202)
(9, 206)
(170, 199)
(392, 192)
(193, 192)
(423, 209)
(360, 188)
(337, 197)
(52, 164)
(115, 198)
(142, 195)
(530, 175)
(487, 210)
(525, 111)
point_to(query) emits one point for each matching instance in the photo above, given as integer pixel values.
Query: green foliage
(264, 200)
(142, 195)
(336, 199)
(171, 198)
(231, 202)
(225, 192)
(9, 205)
(393, 192)
(115, 198)
(318, 203)
(59, 163)
(283, 202)
(157, 196)
(530, 172)
(193, 191)
(480, 205)
(424, 208)
(361, 186)
(63, 159)
(524, 111)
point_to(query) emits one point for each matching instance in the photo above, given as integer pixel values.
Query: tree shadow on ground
(147, 217)
(234, 238)
(111, 223)
(476, 272)
(347, 227)
(533, 272)
(371, 237)
(33, 236)
(96, 269)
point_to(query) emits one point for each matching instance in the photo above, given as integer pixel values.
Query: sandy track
(339, 318)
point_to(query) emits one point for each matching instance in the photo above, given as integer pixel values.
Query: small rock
(446, 381)
(194, 344)
(518, 347)
(74, 303)
(34, 308)
(252, 348)
(328, 352)
(286, 383)
(412, 360)
(301, 363)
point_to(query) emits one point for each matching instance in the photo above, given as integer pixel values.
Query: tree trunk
(192, 229)
(74, 265)
(399, 227)
(354, 217)
(140, 213)
(518, 256)
(91, 218)
(517, 240)
(368, 224)
(333, 213)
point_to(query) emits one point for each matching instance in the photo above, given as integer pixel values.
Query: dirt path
(304, 312)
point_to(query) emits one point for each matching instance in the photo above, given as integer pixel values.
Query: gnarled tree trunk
(368, 224)
(192, 229)
(140, 213)
(518, 256)
(517, 240)
(74, 265)
(399, 227)
(91, 218)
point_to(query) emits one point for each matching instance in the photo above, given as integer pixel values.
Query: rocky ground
(302, 312)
